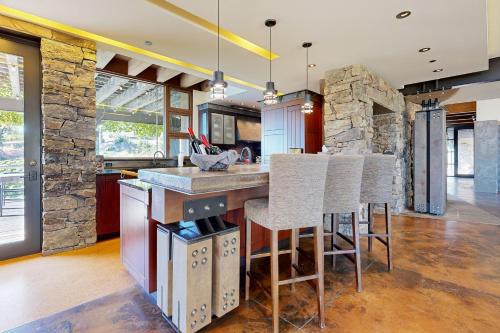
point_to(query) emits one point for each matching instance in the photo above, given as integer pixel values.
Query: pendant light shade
(270, 94)
(307, 106)
(218, 85)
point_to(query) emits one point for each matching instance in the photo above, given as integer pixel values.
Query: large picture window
(130, 117)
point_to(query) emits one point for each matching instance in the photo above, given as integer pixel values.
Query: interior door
(20, 214)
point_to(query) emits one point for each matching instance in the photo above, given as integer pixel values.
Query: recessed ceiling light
(438, 70)
(148, 42)
(311, 65)
(425, 49)
(403, 14)
(433, 60)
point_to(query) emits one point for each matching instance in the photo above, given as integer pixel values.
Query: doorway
(460, 150)
(20, 213)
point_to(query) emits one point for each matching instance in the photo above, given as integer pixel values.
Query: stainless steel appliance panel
(420, 162)
(164, 272)
(437, 162)
(192, 284)
(226, 273)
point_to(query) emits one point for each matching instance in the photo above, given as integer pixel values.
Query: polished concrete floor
(465, 205)
(463, 189)
(446, 278)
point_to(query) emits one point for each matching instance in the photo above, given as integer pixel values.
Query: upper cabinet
(284, 126)
(229, 126)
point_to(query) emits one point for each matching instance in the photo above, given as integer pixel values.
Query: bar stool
(376, 188)
(342, 195)
(296, 191)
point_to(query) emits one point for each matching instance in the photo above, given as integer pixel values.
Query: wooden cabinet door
(294, 128)
(108, 205)
(273, 139)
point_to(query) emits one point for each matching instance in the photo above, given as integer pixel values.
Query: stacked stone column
(68, 145)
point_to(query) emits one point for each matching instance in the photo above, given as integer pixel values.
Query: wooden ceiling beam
(103, 58)
(460, 107)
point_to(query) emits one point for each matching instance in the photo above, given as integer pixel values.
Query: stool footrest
(330, 253)
(347, 239)
(325, 234)
(268, 254)
(299, 279)
(374, 235)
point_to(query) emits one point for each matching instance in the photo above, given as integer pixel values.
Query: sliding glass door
(19, 149)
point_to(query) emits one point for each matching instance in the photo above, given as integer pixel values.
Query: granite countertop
(191, 180)
(136, 183)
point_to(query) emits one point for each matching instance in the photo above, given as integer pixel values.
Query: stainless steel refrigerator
(430, 161)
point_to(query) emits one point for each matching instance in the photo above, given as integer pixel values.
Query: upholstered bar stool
(376, 188)
(296, 194)
(342, 194)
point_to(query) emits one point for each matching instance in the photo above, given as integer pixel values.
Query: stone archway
(363, 114)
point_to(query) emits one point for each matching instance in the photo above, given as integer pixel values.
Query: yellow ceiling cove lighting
(212, 28)
(18, 14)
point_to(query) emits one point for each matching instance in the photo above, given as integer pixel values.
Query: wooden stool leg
(388, 231)
(355, 238)
(275, 280)
(294, 254)
(335, 227)
(370, 226)
(248, 257)
(320, 270)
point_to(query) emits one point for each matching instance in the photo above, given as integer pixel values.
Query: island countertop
(192, 181)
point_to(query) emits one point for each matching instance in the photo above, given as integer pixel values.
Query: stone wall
(68, 146)
(350, 123)
(68, 136)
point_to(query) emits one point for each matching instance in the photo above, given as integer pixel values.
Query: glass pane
(450, 147)
(179, 99)
(129, 117)
(465, 139)
(179, 145)
(179, 123)
(11, 148)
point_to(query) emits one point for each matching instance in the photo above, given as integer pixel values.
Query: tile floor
(446, 279)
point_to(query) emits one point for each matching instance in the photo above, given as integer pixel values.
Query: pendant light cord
(270, 43)
(218, 35)
(307, 69)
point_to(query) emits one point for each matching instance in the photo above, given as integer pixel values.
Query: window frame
(165, 138)
(171, 110)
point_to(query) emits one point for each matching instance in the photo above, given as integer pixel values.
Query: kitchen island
(158, 196)
(190, 207)
(171, 187)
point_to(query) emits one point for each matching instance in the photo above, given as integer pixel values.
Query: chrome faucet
(249, 155)
(155, 162)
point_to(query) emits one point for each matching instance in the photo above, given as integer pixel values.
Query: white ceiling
(342, 33)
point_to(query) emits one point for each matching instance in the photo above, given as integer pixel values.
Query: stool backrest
(296, 190)
(343, 184)
(378, 172)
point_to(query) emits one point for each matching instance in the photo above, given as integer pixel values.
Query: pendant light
(218, 85)
(307, 106)
(270, 94)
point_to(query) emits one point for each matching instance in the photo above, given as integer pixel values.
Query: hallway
(466, 205)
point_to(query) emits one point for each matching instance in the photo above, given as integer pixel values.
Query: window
(179, 115)
(450, 145)
(129, 117)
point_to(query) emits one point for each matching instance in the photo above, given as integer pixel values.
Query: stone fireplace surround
(362, 113)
